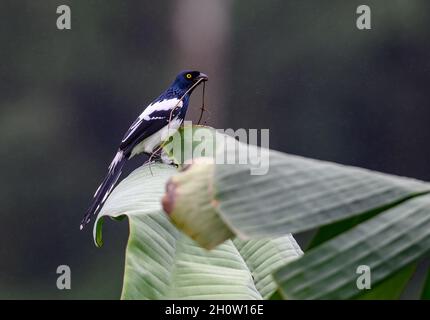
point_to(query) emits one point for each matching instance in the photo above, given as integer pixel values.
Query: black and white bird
(158, 121)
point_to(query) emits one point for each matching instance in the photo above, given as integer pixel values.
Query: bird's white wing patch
(163, 105)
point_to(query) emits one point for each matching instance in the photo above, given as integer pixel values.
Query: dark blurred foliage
(301, 68)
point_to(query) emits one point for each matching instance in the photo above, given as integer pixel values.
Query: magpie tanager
(160, 120)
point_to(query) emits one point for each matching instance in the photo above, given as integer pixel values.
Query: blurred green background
(300, 68)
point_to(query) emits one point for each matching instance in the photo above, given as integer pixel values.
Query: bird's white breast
(149, 144)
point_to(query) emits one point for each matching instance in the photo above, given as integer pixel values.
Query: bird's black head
(187, 79)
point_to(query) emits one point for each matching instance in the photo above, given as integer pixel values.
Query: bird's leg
(158, 155)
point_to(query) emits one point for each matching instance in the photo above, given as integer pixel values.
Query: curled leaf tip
(190, 203)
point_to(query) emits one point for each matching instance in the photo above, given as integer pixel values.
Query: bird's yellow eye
(188, 76)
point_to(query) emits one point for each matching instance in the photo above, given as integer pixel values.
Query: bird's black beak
(202, 77)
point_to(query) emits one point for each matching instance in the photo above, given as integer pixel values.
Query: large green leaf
(163, 263)
(212, 203)
(387, 244)
(296, 194)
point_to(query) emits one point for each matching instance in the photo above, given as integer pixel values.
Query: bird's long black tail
(106, 187)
